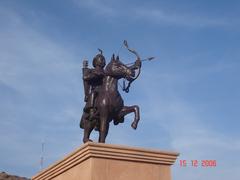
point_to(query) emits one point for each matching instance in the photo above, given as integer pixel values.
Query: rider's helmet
(99, 60)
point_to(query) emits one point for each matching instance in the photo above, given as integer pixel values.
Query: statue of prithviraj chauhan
(103, 100)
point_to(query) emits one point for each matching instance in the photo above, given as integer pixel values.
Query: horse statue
(109, 103)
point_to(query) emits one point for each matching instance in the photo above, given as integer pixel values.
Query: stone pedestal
(97, 161)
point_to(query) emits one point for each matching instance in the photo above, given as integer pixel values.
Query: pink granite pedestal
(97, 161)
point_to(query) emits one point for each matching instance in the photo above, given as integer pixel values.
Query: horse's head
(119, 70)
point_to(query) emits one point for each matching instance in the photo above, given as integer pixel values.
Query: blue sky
(189, 96)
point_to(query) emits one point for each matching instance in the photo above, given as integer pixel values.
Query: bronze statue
(103, 100)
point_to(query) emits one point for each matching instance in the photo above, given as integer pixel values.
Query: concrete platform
(97, 161)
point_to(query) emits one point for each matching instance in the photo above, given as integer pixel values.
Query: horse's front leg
(88, 126)
(129, 109)
(87, 131)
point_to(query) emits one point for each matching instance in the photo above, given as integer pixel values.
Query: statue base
(97, 161)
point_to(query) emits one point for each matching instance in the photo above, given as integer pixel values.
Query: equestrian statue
(103, 100)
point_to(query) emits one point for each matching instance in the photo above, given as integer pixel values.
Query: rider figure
(92, 78)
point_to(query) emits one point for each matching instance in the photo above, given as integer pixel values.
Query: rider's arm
(92, 74)
(88, 75)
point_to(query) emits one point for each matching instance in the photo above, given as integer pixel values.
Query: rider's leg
(92, 109)
(92, 97)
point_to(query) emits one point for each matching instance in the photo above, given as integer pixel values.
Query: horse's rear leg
(129, 109)
(104, 127)
(103, 132)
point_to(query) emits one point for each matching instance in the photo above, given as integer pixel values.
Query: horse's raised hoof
(87, 140)
(134, 125)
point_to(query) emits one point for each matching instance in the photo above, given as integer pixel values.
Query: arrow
(146, 59)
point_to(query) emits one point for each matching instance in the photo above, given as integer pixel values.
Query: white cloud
(154, 15)
(159, 16)
(41, 81)
(97, 7)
